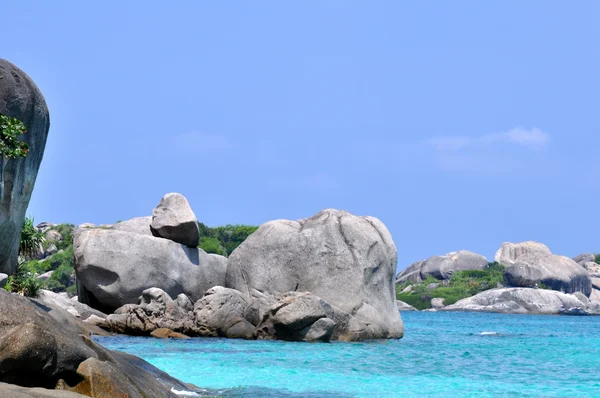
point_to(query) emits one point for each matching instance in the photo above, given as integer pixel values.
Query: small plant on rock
(11, 146)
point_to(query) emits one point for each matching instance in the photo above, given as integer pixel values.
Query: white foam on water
(184, 393)
(488, 333)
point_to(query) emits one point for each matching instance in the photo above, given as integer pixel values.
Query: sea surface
(441, 355)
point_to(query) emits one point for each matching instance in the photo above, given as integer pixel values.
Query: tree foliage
(11, 130)
(223, 240)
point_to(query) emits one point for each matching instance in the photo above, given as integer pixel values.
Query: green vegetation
(24, 281)
(223, 240)
(11, 147)
(31, 239)
(462, 284)
(597, 259)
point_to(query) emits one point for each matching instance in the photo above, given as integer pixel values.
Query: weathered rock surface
(14, 391)
(36, 350)
(62, 301)
(442, 267)
(114, 267)
(138, 225)
(174, 219)
(437, 303)
(585, 258)
(402, 306)
(53, 235)
(164, 333)
(3, 280)
(44, 226)
(156, 310)
(530, 263)
(319, 255)
(225, 312)
(520, 301)
(19, 98)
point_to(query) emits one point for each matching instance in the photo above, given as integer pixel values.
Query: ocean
(442, 355)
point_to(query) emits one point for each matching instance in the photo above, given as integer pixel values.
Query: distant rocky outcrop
(442, 267)
(174, 219)
(526, 301)
(49, 348)
(20, 98)
(402, 306)
(345, 260)
(530, 263)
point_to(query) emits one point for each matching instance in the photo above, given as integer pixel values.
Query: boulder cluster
(535, 281)
(326, 277)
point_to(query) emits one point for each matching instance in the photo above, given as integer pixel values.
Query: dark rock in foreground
(19, 98)
(38, 349)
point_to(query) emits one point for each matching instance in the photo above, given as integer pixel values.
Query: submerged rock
(520, 301)
(19, 98)
(174, 219)
(346, 260)
(442, 267)
(402, 306)
(530, 263)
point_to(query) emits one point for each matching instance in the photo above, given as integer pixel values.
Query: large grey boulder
(348, 261)
(585, 258)
(402, 306)
(138, 225)
(529, 263)
(62, 301)
(442, 267)
(520, 301)
(19, 98)
(297, 317)
(114, 267)
(224, 312)
(174, 219)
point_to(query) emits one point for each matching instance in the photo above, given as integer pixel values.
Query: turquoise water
(442, 354)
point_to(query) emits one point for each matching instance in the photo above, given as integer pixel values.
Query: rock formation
(442, 267)
(115, 265)
(174, 219)
(345, 260)
(523, 301)
(50, 349)
(19, 98)
(530, 263)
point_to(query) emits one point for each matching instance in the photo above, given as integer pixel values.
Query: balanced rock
(114, 267)
(20, 98)
(530, 263)
(520, 301)
(442, 267)
(174, 219)
(319, 255)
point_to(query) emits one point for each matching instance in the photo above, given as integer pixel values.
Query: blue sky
(460, 125)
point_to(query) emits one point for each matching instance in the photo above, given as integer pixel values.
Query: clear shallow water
(442, 354)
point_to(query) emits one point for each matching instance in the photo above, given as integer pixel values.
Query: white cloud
(531, 138)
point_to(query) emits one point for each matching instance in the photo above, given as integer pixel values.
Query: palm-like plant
(31, 239)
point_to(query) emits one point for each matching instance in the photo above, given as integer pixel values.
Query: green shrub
(461, 285)
(30, 240)
(31, 286)
(228, 237)
(66, 230)
(597, 258)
